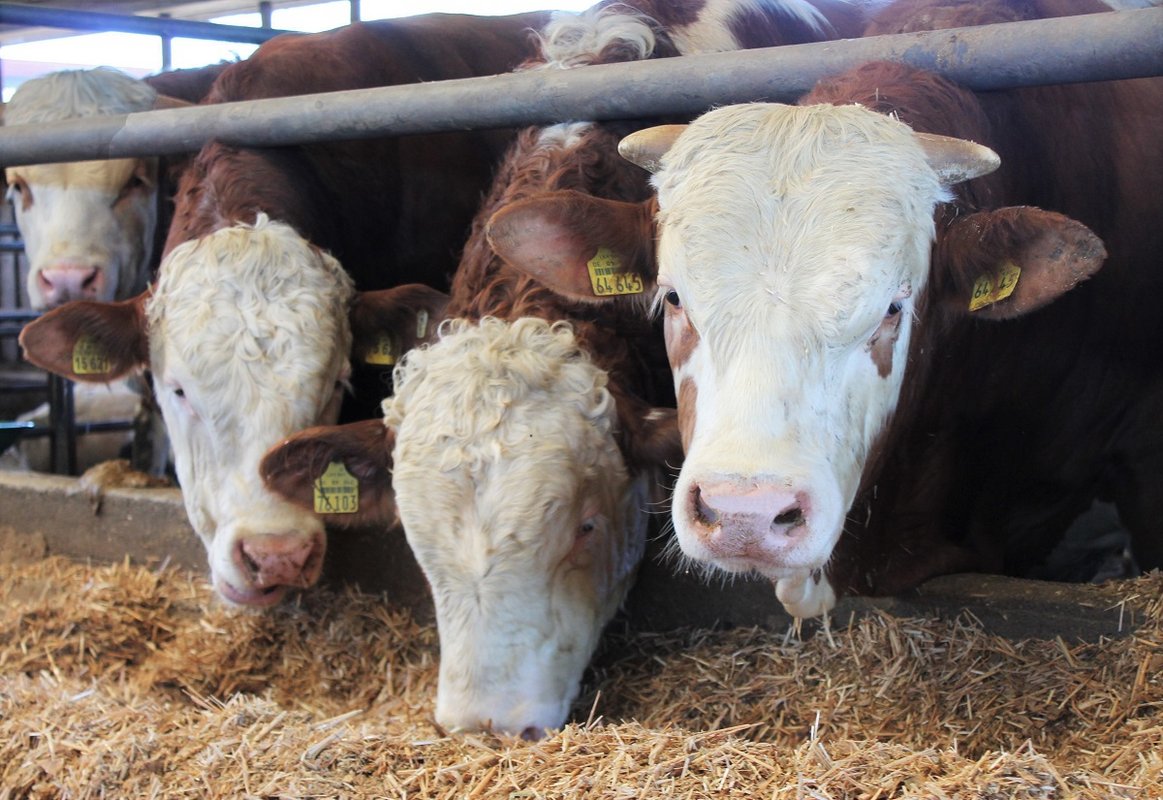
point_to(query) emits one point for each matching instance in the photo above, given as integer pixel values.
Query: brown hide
(391, 209)
(1007, 430)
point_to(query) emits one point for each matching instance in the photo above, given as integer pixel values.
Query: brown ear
(89, 341)
(386, 324)
(1004, 263)
(580, 246)
(649, 435)
(298, 470)
(165, 101)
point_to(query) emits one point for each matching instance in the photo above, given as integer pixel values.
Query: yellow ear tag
(382, 351)
(336, 491)
(986, 292)
(89, 358)
(607, 277)
(421, 323)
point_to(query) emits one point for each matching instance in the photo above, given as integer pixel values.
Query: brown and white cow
(88, 226)
(389, 210)
(869, 390)
(523, 448)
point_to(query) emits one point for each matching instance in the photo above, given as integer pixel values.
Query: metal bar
(1124, 44)
(69, 19)
(80, 429)
(11, 247)
(62, 418)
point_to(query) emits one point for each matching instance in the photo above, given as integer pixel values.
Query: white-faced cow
(873, 385)
(390, 210)
(525, 449)
(88, 226)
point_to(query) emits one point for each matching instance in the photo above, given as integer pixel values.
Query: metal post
(62, 415)
(264, 13)
(354, 10)
(167, 46)
(1126, 44)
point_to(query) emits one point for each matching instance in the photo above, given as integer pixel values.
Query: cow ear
(388, 323)
(341, 472)
(649, 436)
(1008, 262)
(89, 341)
(582, 247)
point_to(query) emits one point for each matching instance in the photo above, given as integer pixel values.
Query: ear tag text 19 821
(89, 358)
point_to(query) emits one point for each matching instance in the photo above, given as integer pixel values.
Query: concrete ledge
(49, 513)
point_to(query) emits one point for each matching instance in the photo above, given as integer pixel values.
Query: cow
(525, 448)
(389, 210)
(92, 229)
(869, 392)
(89, 227)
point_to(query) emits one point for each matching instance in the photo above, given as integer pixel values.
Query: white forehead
(253, 300)
(495, 383)
(77, 93)
(806, 208)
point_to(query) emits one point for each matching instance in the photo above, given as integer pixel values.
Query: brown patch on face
(681, 337)
(883, 342)
(688, 395)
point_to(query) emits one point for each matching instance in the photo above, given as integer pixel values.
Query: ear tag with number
(336, 491)
(987, 291)
(89, 358)
(607, 277)
(382, 351)
(421, 324)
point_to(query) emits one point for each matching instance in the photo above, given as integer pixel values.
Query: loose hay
(126, 682)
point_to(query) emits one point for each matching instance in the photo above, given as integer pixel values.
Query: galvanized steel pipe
(68, 19)
(1124, 44)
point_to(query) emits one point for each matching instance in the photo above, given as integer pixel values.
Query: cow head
(794, 249)
(247, 335)
(88, 226)
(523, 505)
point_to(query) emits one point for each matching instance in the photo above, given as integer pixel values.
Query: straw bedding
(126, 681)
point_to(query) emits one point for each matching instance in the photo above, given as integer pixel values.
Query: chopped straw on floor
(123, 681)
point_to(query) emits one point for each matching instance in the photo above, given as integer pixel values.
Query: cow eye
(672, 297)
(18, 188)
(587, 527)
(894, 308)
(134, 184)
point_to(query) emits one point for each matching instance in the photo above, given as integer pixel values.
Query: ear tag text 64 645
(336, 491)
(607, 278)
(988, 291)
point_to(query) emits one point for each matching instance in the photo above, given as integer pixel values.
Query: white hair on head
(711, 32)
(70, 94)
(484, 369)
(256, 295)
(574, 40)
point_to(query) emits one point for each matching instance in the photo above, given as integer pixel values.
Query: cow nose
(65, 282)
(729, 518)
(281, 559)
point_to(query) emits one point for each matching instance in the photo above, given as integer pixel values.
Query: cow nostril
(91, 278)
(44, 281)
(703, 513)
(790, 518)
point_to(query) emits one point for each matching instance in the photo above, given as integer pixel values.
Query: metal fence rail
(1124, 44)
(71, 19)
